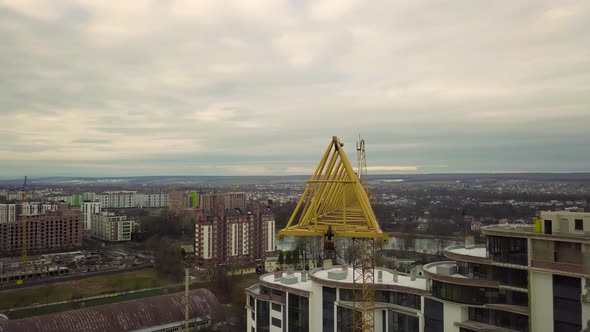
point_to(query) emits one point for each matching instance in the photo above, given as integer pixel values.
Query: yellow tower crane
(335, 203)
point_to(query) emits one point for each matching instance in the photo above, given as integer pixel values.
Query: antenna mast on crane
(362, 161)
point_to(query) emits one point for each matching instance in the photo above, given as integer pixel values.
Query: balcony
(557, 266)
(446, 271)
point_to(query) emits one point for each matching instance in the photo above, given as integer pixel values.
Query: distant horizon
(32, 177)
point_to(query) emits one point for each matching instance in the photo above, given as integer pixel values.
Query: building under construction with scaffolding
(46, 230)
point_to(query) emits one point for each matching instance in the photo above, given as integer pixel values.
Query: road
(69, 277)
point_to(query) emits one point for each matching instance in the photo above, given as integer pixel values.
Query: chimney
(394, 275)
(413, 274)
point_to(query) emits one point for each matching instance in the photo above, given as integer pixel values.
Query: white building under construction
(525, 278)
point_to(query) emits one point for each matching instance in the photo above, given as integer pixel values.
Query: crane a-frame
(335, 203)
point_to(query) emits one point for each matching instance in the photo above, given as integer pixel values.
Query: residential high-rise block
(235, 200)
(209, 202)
(52, 230)
(234, 237)
(88, 210)
(108, 227)
(7, 213)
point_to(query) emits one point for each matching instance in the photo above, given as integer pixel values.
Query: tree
(289, 258)
(296, 258)
(281, 259)
(168, 257)
(350, 253)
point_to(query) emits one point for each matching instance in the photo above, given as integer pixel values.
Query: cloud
(245, 87)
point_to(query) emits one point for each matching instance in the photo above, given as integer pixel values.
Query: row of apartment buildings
(180, 201)
(525, 278)
(115, 199)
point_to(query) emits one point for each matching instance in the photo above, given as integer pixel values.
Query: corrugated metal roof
(123, 316)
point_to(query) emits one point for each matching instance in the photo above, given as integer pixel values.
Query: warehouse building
(154, 314)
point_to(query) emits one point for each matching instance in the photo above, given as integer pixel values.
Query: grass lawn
(81, 288)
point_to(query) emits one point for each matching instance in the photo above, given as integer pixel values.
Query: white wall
(245, 239)
(315, 308)
(207, 240)
(279, 316)
(454, 313)
(541, 298)
(270, 235)
(251, 322)
(234, 239)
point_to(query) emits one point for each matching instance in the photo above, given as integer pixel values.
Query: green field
(82, 288)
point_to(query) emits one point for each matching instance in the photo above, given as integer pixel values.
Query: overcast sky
(169, 87)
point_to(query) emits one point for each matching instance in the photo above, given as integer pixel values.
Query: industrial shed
(159, 313)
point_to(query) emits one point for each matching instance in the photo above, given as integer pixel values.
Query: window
(567, 312)
(329, 296)
(276, 322)
(262, 316)
(344, 319)
(298, 313)
(579, 224)
(433, 316)
(276, 307)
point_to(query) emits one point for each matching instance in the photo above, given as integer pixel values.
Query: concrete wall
(586, 258)
(251, 322)
(543, 250)
(541, 301)
(564, 221)
(278, 315)
(315, 308)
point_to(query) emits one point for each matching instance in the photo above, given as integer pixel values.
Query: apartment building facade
(132, 199)
(236, 200)
(52, 230)
(234, 237)
(7, 213)
(118, 199)
(107, 226)
(88, 210)
(525, 278)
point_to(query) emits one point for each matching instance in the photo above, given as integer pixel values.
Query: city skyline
(259, 88)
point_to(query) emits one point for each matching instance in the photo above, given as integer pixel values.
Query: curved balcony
(478, 254)
(404, 282)
(446, 271)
